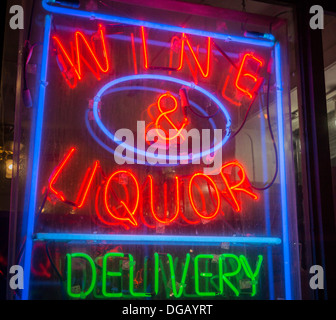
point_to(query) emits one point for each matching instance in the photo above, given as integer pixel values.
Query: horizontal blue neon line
(110, 18)
(36, 157)
(149, 42)
(155, 239)
(282, 164)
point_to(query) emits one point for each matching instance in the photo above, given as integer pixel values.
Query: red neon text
(243, 72)
(76, 66)
(163, 115)
(121, 211)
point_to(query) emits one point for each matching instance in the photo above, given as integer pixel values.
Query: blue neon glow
(169, 158)
(264, 42)
(282, 165)
(267, 208)
(30, 204)
(149, 42)
(155, 239)
(30, 207)
(139, 88)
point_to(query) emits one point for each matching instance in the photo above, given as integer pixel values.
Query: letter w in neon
(71, 66)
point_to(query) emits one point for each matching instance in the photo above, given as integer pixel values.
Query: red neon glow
(193, 222)
(129, 213)
(122, 213)
(41, 268)
(163, 116)
(144, 47)
(77, 67)
(193, 72)
(241, 73)
(55, 175)
(134, 54)
(205, 73)
(85, 186)
(168, 95)
(215, 212)
(145, 53)
(84, 190)
(100, 217)
(172, 49)
(230, 194)
(177, 204)
(236, 103)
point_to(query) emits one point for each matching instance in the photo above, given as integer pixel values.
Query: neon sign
(125, 213)
(244, 68)
(74, 71)
(203, 275)
(198, 84)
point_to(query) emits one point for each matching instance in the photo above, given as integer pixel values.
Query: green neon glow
(202, 274)
(207, 262)
(252, 275)
(156, 273)
(224, 275)
(178, 293)
(214, 283)
(131, 280)
(164, 278)
(229, 265)
(145, 272)
(82, 294)
(106, 273)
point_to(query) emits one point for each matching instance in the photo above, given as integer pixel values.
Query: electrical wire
(55, 269)
(267, 186)
(52, 263)
(37, 216)
(270, 127)
(200, 115)
(245, 118)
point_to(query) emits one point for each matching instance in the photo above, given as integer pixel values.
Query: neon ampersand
(163, 116)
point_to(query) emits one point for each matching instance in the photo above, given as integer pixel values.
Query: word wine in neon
(119, 275)
(92, 53)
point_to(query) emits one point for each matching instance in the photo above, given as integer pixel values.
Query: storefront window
(329, 43)
(158, 156)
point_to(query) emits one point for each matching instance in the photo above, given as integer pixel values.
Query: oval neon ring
(191, 85)
(139, 88)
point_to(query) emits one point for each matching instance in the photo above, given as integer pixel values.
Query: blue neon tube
(110, 18)
(137, 88)
(155, 239)
(267, 208)
(191, 85)
(30, 206)
(282, 167)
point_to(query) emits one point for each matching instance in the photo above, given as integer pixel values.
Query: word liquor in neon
(123, 202)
